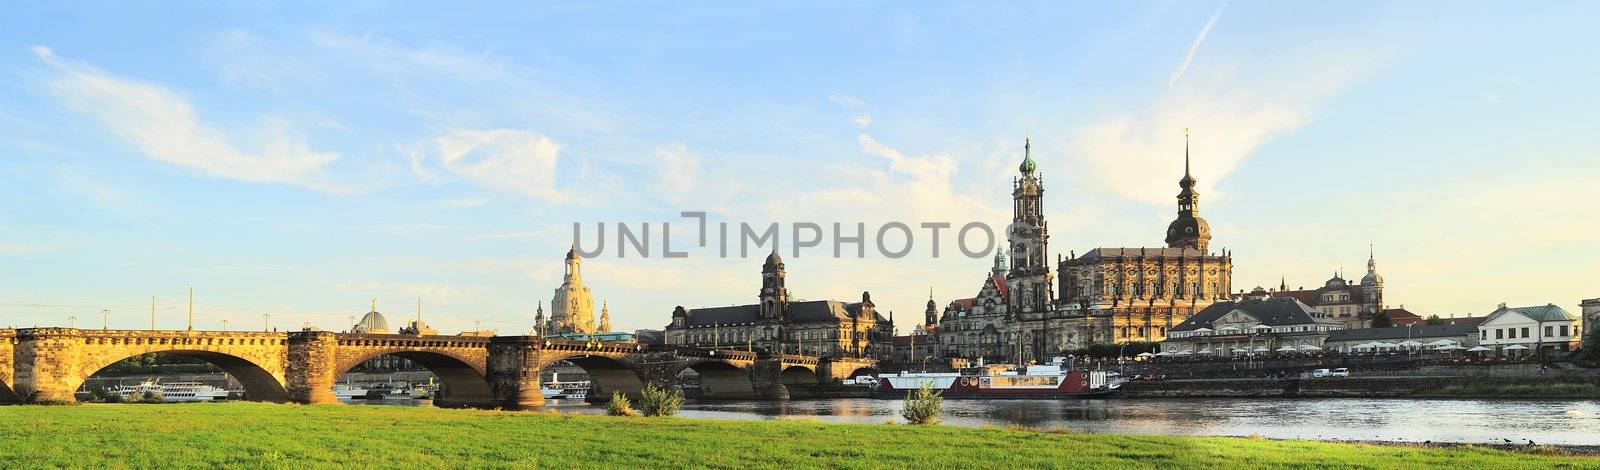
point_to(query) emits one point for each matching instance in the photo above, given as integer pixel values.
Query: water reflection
(1482, 421)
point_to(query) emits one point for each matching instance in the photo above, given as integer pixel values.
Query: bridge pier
(46, 363)
(513, 372)
(310, 375)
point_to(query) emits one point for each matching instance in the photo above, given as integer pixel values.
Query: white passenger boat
(556, 389)
(171, 391)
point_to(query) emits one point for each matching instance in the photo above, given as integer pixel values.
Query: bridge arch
(860, 371)
(260, 383)
(798, 375)
(462, 379)
(607, 375)
(7, 394)
(721, 379)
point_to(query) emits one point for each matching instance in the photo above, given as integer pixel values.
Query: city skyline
(301, 168)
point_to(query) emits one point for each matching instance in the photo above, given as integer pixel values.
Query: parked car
(1321, 373)
(866, 380)
(1340, 372)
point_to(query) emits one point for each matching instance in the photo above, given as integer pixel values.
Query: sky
(298, 159)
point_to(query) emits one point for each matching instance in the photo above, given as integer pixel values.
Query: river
(1566, 422)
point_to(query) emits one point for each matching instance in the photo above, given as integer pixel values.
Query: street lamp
(266, 322)
(224, 324)
(73, 321)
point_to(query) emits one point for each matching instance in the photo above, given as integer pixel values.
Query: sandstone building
(572, 307)
(775, 323)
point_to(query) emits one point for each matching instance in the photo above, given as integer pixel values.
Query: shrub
(658, 401)
(922, 406)
(620, 406)
(152, 396)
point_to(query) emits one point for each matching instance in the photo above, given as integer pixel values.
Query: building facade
(777, 324)
(1255, 325)
(1354, 304)
(974, 327)
(1544, 328)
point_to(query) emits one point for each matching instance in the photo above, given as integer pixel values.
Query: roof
(1401, 332)
(1548, 312)
(807, 311)
(1403, 317)
(1271, 312)
(372, 322)
(963, 304)
(1000, 284)
(1474, 321)
(1137, 252)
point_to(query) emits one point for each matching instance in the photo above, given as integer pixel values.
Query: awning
(1261, 349)
(1409, 344)
(1442, 342)
(1516, 347)
(1310, 348)
(1288, 349)
(1478, 349)
(1145, 354)
(1182, 353)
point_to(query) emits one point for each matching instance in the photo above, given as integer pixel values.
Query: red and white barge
(1035, 381)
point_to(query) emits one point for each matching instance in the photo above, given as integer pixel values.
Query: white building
(1545, 327)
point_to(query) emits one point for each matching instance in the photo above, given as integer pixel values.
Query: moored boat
(1035, 381)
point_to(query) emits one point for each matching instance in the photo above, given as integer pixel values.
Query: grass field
(292, 436)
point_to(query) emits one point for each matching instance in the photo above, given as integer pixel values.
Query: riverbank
(1370, 387)
(209, 435)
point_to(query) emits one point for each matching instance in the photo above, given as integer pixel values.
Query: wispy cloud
(165, 127)
(1188, 56)
(1232, 111)
(511, 161)
(679, 170)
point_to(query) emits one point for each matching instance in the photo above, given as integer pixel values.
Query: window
(1548, 330)
(1499, 333)
(1563, 330)
(1524, 332)
(1483, 334)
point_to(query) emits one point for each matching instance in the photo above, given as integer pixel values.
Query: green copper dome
(1027, 157)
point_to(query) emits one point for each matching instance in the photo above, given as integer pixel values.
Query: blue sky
(299, 159)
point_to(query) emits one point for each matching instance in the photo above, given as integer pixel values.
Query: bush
(152, 396)
(658, 401)
(922, 406)
(620, 406)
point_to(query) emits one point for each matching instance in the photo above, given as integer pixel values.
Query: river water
(1567, 422)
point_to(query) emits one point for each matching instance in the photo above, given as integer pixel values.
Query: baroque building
(975, 327)
(1106, 296)
(572, 307)
(1113, 295)
(776, 323)
(1354, 305)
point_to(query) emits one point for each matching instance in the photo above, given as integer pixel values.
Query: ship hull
(1076, 384)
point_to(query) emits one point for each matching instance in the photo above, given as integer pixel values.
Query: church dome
(371, 323)
(1372, 279)
(1335, 281)
(572, 253)
(1027, 157)
(1187, 228)
(773, 259)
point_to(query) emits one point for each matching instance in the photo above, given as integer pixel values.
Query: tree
(1435, 320)
(1382, 320)
(659, 401)
(923, 406)
(620, 405)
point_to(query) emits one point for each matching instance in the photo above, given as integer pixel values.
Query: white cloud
(165, 127)
(679, 170)
(862, 120)
(1232, 112)
(849, 102)
(1188, 56)
(511, 161)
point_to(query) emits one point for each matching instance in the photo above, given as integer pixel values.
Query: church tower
(774, 296)
(539, 326)
(572, 307)
(930, 316)
(605, 318)
(1189, 230)
(1372, 283)
(1028, 281)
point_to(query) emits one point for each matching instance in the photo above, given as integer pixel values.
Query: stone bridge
(50, 364)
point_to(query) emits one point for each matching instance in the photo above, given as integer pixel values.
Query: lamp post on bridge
(72, 321)
(224, 324)
(105, 319)
(266, 322)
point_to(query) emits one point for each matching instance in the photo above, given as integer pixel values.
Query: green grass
(256, 435)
